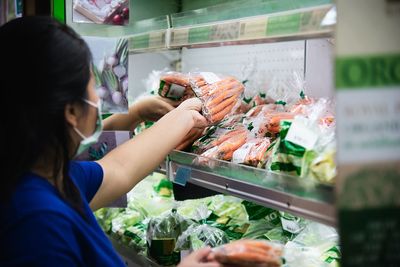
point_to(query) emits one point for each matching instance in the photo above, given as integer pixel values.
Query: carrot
(220, 115)
(228, 101)
(228, 135)
(215, 101)
(273, 125)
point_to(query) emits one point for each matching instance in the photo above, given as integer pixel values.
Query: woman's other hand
(152, 108)
(198, 258)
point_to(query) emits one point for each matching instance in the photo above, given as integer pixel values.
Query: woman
(53, 115)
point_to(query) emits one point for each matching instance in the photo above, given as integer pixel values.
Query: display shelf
(301, 196)
(267, 23)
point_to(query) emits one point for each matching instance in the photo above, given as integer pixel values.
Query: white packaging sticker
(300, 135)
(176, 91)
(210, 77)
(240, 155)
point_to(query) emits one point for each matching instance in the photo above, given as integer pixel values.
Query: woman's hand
(198, 258)
(152, 108)
(193, 106)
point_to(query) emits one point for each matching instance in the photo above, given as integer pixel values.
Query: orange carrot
(220, 115)
(227, 102)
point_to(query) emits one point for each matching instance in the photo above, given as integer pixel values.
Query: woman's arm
(130, 162)
(150, 108)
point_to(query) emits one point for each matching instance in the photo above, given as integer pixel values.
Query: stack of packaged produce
(164, 230)
(276, 129)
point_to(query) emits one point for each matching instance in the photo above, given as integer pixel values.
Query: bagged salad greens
(200, 235)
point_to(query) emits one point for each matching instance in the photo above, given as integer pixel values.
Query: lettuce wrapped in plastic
(315, 246)
(228, 207)
(199, 236)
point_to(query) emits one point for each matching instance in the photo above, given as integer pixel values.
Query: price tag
(183, 174)
(210, 77)
(300, 135)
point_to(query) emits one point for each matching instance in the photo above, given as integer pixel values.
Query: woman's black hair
(44, 66)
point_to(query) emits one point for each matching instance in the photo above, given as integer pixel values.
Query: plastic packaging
(252, 153)
(221, 96)
(252, 253)
(175, 85)
(315, 246)
(201, 235)
(225, 145)
(305, 145)
(162, 233)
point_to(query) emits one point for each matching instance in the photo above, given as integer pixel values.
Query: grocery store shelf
(302, 197)
(277, 25)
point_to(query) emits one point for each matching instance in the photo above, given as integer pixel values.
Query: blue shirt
(38, 228)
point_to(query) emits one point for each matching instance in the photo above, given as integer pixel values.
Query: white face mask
(86, 142)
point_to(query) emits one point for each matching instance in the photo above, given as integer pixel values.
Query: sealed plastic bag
(175, 85)
(162, 233)
(201, 235)
(252, 253)
(252, 153)
(221, 96)
(225, 145)
(315, 246)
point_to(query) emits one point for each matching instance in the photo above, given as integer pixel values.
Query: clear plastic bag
(225, 145)
(311, 247)
(162, 233)
(175, 86)
(221, 95)
(252, 152)
(201, 235)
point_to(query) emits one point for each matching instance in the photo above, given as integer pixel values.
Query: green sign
(199, 34)
(279, 25)
(368, 71)
(140, 41)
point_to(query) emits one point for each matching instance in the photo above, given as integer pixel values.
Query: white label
(156, 39)
(290, 226)
(368, 125)
(210, 77)
(240, 155)
(300, 135)
(176, 91)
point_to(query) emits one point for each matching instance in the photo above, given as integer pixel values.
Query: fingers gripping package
(175, 86)
(221, 95)
(188, 140)
(251, 253)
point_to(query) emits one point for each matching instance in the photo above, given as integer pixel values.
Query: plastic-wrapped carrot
(224, 146)
(220, 95)
(252, 152)
(176, 86)
(250, 253)
(273, 125)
